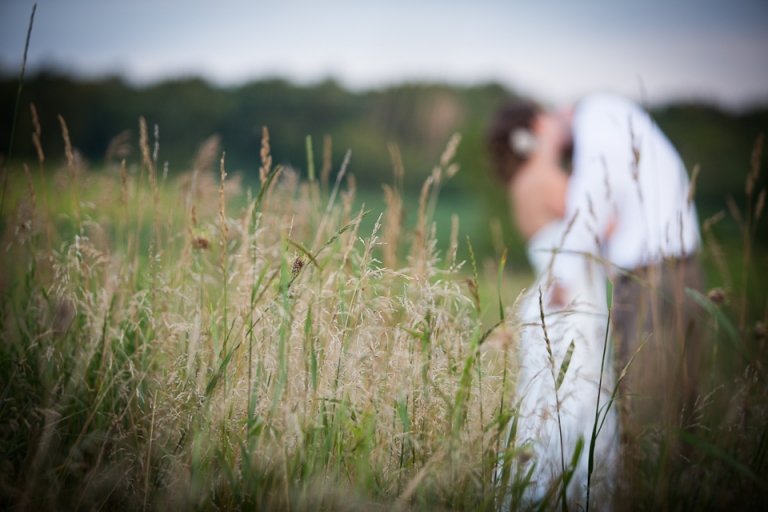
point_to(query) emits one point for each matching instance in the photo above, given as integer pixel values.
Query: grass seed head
(67, 145)
(36, 134)
(298, 264)
(716, 296)
(201, 242)
(266, 158)
(760, 205)
(761, 331)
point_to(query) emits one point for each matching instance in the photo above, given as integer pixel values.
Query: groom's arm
(599, 187)
(591, 214)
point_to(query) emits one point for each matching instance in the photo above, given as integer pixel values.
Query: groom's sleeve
(593, 191)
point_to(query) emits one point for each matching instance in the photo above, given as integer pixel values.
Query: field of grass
(179, 343)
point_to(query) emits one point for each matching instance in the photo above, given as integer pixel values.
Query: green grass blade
(475, 286)
(730, 330)
(338, 233)
(501, 273)
(717, 453)
(564, 365)
(219, 372)
(462, 395)
(595, 428)
(310, 160)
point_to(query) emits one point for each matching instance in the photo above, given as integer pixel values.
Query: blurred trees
(420, 118)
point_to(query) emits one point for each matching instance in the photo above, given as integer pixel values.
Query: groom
(629, 204)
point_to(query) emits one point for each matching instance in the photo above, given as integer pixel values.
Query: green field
(193, 342)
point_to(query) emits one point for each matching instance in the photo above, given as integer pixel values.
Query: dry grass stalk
(754, 168)
(67, 145)
(325, 172)
(36, 134)
(72, 170)
(149, 161)
(418, 250)
(560, 246)
(350, 240)
(32, 196)
(554, 381)
(16, 109)
(144, 146)
(454, 243)
(348, 196)
(149, 451)
(207, 153)
(749, 188)
(692, 186)
(443, 172)
(119, 147)
(268, 196)
(156, 150)
(450, 150)
(393, 223)
(266, 158)
(331, 199)
(733, 209)
(124, 188)
(223, 218)
(397, 164)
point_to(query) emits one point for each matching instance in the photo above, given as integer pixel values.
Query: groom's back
(630, 166)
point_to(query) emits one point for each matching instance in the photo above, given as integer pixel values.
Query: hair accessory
(523, 142)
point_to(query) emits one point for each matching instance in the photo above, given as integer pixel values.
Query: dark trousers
(651, 308)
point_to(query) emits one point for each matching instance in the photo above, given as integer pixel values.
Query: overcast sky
(555, 50)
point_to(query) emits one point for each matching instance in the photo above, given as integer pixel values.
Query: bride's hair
(509, 137)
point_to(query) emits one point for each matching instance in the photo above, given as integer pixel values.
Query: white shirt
(628, 190)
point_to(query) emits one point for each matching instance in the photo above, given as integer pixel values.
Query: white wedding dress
(583, 320)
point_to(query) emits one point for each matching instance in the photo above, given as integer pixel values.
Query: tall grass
(193, 358)
(241, 352)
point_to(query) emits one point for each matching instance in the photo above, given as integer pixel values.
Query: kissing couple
(604, 201)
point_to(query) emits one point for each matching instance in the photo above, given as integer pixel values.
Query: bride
(565, 373)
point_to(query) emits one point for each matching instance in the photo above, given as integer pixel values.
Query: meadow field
(192, 341)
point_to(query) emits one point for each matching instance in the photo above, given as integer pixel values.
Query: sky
(553, 50)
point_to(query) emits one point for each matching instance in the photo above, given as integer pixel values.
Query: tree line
(418, 117)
